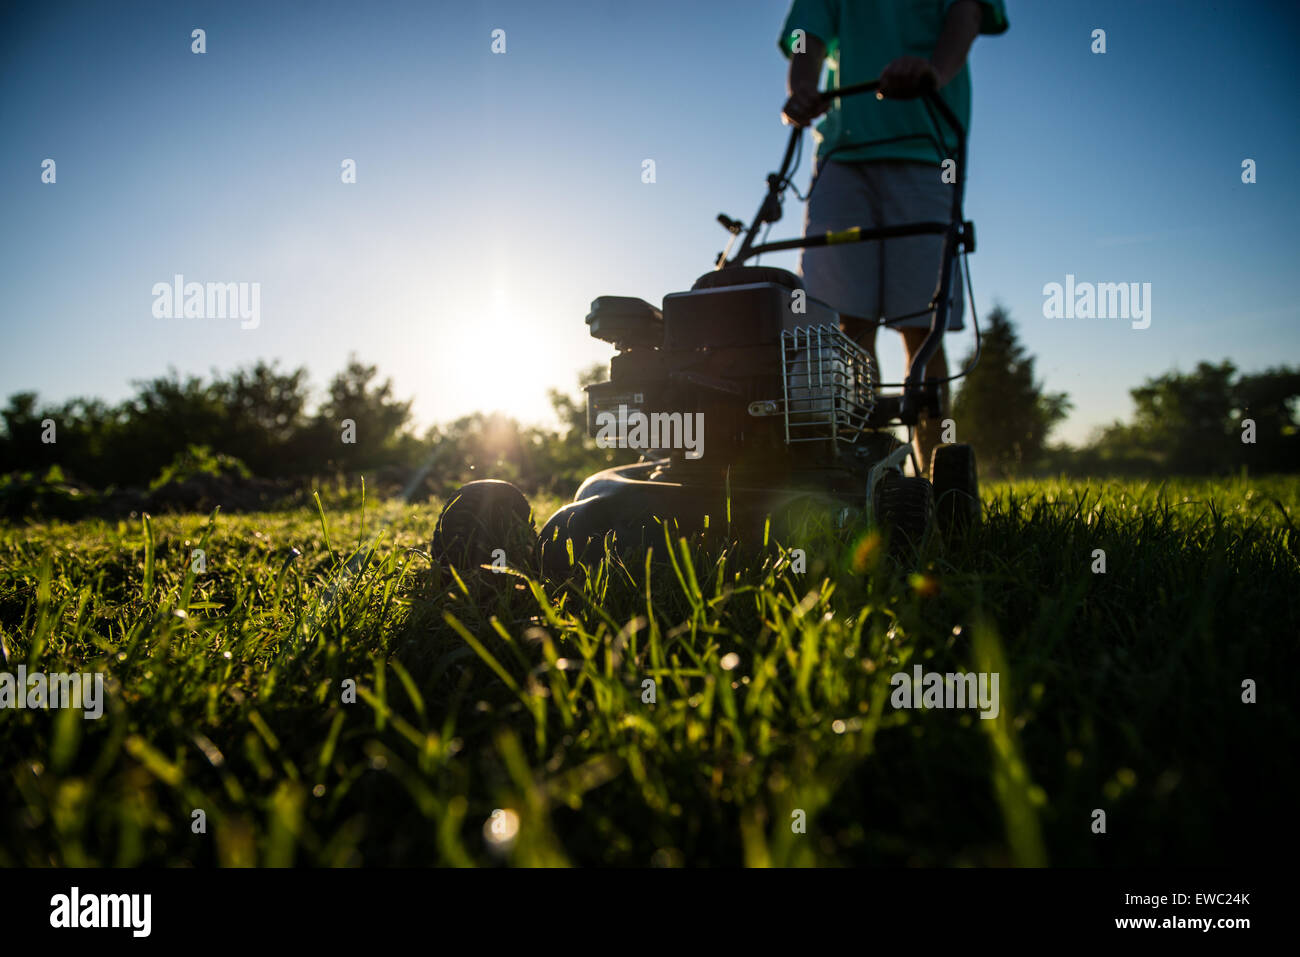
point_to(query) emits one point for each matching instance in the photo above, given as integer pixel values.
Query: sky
(497, 194)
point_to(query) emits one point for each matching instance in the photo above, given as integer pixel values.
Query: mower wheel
(483, 523)
(956, 487)
(905, 508)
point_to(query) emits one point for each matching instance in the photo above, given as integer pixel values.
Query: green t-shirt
(861, 38)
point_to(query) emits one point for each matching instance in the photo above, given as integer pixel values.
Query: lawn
(324, 695)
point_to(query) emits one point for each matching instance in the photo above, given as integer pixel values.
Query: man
(911, 46)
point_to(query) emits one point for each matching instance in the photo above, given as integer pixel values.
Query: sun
(506, 361)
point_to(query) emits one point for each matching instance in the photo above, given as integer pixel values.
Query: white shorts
(885, 278)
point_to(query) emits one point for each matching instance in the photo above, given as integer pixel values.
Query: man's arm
(805, 102)
(959, 31)
(910, 76)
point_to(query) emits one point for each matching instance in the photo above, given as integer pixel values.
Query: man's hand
(908, 77)
(804, 106)
(911, 76)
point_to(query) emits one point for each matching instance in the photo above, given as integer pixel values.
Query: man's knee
(913, 338)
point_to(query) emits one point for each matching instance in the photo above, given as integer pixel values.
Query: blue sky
(497, 195)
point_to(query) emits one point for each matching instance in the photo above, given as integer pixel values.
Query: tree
(999, 408)
(1194, 423)
(360, 425)
(256, 413)
(21, 443)
(265, 411)
(1186, 419)
(166, 414)
(1269, 399)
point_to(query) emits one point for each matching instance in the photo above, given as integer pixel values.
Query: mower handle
(851, 90)
(826, 97)
(955, 232)
(770, 210)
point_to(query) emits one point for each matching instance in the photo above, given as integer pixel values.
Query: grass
(494, 722)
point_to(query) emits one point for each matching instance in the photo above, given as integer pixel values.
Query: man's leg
(847, 277)
(926, 434)
(910, 193)
(863, 332)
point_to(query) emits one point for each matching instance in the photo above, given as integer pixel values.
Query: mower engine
(745, 351)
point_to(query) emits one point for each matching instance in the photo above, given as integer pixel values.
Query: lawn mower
(792, 408)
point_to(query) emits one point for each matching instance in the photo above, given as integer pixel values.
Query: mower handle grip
(871, 86)
(931, 93)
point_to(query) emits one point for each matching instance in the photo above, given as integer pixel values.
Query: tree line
(1210, 421)
(259, 420)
